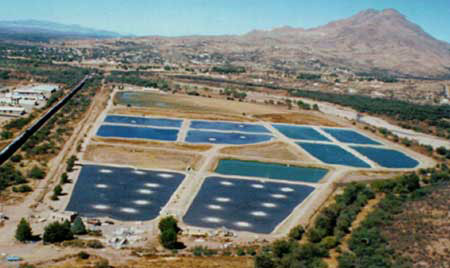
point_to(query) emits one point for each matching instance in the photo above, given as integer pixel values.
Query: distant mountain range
(370, 41)
(36, 30)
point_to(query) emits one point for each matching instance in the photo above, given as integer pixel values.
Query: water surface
(387, 157)
(300, 132)
(333, 154)
(138, 132)
(270, 170)
(233, 138)
(134, 120)
(244, 205)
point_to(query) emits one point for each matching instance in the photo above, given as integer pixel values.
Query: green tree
(78, 227)
(297, 232)
(64, 178)
(57, 232)
(264, 261)
(23, 231)
(168, 223)
(169, 230)
(71, 163)
(168, 239)
(57, 190)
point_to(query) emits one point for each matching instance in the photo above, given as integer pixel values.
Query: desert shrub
(94, 244)
(24, 188)
(240, 252)
(83, 255)
(36, 173)
(102, 264)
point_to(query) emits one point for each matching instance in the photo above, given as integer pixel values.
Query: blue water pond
(133, 120)
(138, 132)
(228, 126)
(199, 136)
(300, 132)
(387, 157)
(349, 136)
(124, 194)
(270, 170)
(244, 205)
(333, 154)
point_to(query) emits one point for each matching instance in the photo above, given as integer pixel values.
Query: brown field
(421, 231)
(302, 118)
(168, 262)
(154, 144)
(210, 115)
(363, 176)
(187, 103)
(194, 107)
(141, 158)
(274, 150)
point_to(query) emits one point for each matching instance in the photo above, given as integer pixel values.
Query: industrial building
(12, 111)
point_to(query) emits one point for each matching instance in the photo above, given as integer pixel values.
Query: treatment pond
(244, 205)
(124, 194)
(270, 170)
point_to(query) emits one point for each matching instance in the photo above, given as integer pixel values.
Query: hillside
(386, 40)
(370, 40)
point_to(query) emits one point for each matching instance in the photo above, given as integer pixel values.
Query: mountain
(36, 30)
(370, 41)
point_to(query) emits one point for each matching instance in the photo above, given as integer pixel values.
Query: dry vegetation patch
(184, 103)
(165, 262)
(198, 114)
(154, 144)
(141, 158)
(273, 150)
(421, 231)
(300, 118)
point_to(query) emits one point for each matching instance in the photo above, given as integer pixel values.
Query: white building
(14, 111)
(37, 92)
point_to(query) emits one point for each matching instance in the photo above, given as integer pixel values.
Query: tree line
(433, 115)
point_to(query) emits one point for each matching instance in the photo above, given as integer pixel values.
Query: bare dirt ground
(362, 175)
(141, 158)
(273, 150)
(168, 262)
(184, 103)
(153, 144)
(173, 113)
(299, 118)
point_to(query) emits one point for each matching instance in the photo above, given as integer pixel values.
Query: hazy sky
(187, 17)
